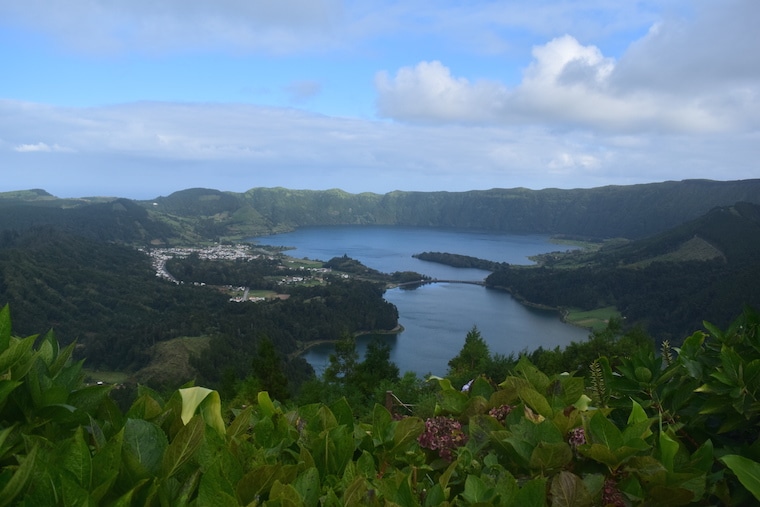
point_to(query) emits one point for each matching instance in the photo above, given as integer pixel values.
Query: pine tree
(267, 367)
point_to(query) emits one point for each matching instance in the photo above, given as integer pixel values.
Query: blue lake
(436, 317)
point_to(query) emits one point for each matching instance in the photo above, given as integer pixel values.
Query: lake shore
(304, 347)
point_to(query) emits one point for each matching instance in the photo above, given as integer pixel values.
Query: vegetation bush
(674, 428)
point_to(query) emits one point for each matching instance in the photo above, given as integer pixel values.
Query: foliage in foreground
(675, 429)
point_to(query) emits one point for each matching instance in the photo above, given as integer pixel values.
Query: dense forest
(108, 298)
(460, 261)
(704, 269)
(194, 215)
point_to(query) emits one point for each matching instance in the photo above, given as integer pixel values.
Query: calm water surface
(436, 317)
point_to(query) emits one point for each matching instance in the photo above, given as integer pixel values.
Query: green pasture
(592, 319)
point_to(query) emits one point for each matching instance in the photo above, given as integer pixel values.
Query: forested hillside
(194, 215)
(633, 211)
(108, 298)
(704, 269)
(70, 263)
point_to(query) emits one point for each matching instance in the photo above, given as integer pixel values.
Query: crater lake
(436, 317)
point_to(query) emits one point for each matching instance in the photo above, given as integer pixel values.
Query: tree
(267, 367)
(376, 367)
(472, 360)
(342, 367)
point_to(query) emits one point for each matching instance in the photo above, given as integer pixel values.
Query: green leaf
(548, 456)
(60, 360)
(532, 494)
(191, 399)
(746, 470)
(183, 447)
(568, 490)
(600, 453)
(126, 500)
(265, 404)
(240, 426)
(261, 478)
(604, 432)
(407, 431)
(342, 412)
(284, 493)
(732, 365)
(537, 378)
(5, 329)
(636, 431)
(211, 411)
(146, 407)
(536, 401)
(6, 387)
(143, 448)
(381, 425)
(637, 413)
(72, 492)
(188, 489)
(18, 480)
(481, 387)
(435, 496)
(89, 398)
(356, 493)
(451, 402)
(668, 450)
(105, 465)
(13, 353)
(48, 348)
(307, 485)
(703, 458)
(404, 495)
(475, 490)
(215, 489)
(77, 460)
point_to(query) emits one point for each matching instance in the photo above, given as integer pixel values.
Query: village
(314, 274)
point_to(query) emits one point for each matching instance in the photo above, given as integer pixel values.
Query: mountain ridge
(630, 211)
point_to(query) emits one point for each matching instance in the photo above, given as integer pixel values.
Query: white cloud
(146, 149)
(428, 92)
(571, 85)
(180, 25)
(40, 147)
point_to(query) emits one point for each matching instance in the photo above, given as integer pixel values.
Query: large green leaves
(746, 470)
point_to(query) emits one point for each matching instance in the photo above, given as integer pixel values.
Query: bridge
(438, 280)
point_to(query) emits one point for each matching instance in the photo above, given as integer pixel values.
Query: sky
(140, 98)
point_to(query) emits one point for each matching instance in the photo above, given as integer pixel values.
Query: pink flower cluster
(500, 413)
(443, 434)
(611, 495)
(576, 437)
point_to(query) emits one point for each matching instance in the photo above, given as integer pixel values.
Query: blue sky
(137, 98)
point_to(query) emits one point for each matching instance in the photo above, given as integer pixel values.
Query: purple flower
(576, 437)
(443, 434)
(500, 413)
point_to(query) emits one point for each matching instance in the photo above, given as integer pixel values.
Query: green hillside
(704, 269)
(633, 211)
(196, 215)
(108, 298)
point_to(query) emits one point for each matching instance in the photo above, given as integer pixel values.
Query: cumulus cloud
(429, 92)
(685, 75)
